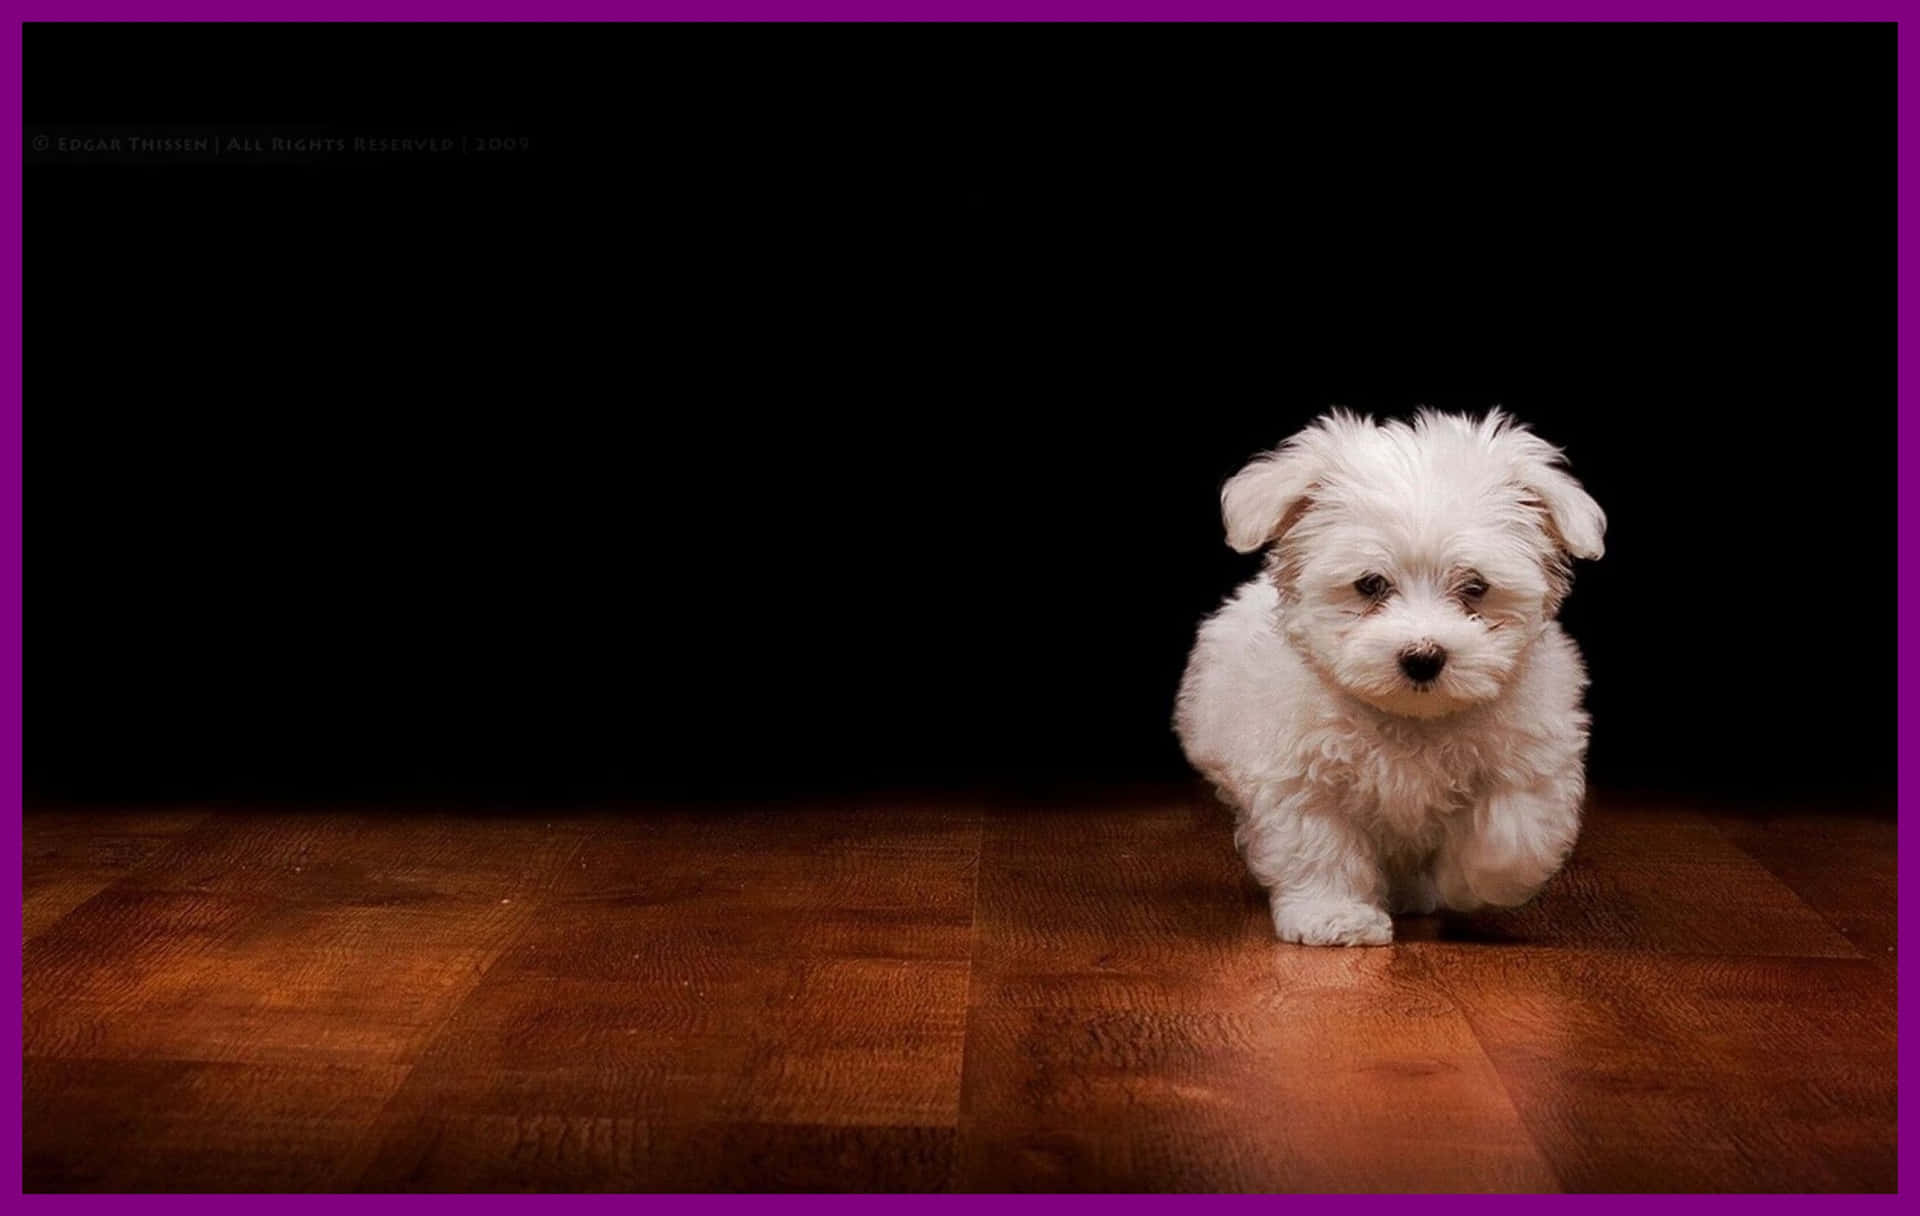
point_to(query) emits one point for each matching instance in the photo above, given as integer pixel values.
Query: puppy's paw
(1484, 878)
(1505, 884)
(1509, 886)
(1351, 923)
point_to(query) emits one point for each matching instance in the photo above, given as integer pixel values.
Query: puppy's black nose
(1422, 663)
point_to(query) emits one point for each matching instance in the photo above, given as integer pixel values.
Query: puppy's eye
(1473, 588)
(1372, 586)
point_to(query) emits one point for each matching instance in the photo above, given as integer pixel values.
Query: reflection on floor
(934, 992)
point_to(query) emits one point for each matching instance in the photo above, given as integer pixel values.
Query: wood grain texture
(907, 994)
(1661, 881)
(71, 856)
(291, 938)
(1135, 1028)
(176, 1125)
(1834, 863)
(1690, 1072)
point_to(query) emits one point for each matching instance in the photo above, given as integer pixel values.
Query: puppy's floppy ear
(1576, 521)
(1263, 500)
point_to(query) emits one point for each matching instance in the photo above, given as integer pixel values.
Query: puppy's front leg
(1506, 848)
(1322, 875)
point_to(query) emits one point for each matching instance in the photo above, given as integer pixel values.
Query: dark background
(835, 406)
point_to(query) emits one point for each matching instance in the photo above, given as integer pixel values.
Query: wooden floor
(911, 994)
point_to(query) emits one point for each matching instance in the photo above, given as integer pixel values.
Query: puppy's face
(1415, 563)
(1417, 601)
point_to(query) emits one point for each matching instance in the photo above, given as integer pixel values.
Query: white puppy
(1391, 708)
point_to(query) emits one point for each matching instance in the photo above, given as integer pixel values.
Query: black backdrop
(844, 405)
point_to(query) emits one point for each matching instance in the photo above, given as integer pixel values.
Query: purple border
(963, 10)
(11, 501)
(1904, 445)
(1905, 660)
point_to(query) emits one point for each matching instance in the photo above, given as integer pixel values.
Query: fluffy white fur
(1364, 783)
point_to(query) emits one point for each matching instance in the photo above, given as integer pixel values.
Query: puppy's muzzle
(1423, 662)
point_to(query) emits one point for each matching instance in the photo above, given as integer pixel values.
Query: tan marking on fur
(1283, 562)
(1559, 568)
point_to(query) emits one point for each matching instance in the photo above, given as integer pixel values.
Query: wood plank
(292, 939)
(164, 1125)
(1057, 992)
(494, 1153)
(70, 855)
(1122, 902)
(1094, 1100)
(1655, 879)
(697, 983)
(1840, 862)
(742, 1040)
(1639, 1072)
(1135, 1027)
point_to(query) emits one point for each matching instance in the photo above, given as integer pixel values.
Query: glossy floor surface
(1054, 993)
